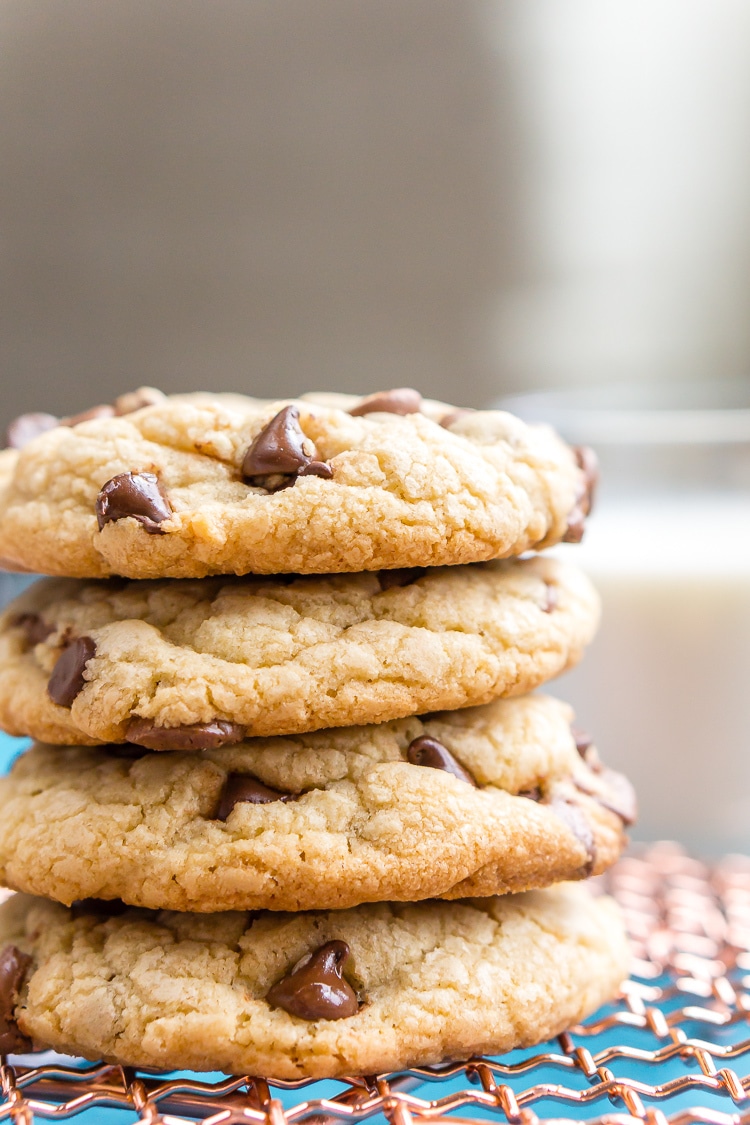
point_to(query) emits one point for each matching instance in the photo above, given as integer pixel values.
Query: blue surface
(10, 748)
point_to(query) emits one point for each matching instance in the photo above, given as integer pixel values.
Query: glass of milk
(665, 688)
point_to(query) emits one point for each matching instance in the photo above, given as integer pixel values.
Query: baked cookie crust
(221, 659)
(328, 820)
(433, 981)
(437, 486)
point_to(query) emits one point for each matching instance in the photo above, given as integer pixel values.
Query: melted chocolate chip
(240, 788)
(279, 448)
(102, 411)
(316, 989)
(197, 736)
(578, 824)
(426, 751)
(613, 792)
(136, 400)
(34, 627)
(402, 400)
(403, 576)
(139, 495)
(67, 677)
(588, 464)
(583, 741)
(14, 965)
(317, 469)
(453, 415)
(26, 427)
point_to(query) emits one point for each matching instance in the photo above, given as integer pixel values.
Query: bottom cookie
(376, 988)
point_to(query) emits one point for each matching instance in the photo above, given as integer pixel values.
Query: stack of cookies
(293, 810)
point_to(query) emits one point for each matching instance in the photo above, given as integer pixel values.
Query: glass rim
(679, 412)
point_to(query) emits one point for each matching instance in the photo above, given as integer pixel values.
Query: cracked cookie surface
(338, 818)
(220, 659)
(433, 980)
(433, 487)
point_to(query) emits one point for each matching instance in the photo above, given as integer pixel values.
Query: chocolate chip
(139, 495)
(67, 677)
(136, 400)
(403, 576)
(89, 415)
(197, 736)
(551, 598)
(281, 452)
(453, 415)
(619, 796)
(613, 792)
(426, 751)
(280, 447)
(570, 812)
(26, 427)
(316, 989)
(316, 469)
(242, 787)
(402, 400)
(34, 627)
(587, 462)
(583, 741)
(14, 965)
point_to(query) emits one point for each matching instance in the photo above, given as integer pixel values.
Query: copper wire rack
(674, 1047)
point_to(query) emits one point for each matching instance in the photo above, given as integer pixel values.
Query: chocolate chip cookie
(491, 799)
(189, 486)
(190, 665)
(369, 990)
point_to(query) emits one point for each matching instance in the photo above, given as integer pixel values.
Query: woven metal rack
(674, 1047)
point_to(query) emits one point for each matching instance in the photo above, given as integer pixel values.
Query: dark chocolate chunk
(89, 415)
(197, 736)
(14, 965)
(402, 400)
(453, 415)
(402, 576)
(426, 751)
(583, 741)
(67, 677)
(570, 812)
(317, 469)
(280, 449)
(588, 464)
(26, 427)
(613, 792)
(317, 989)
(139, 495)
(136, 400)
(242, 787)
(36, 629)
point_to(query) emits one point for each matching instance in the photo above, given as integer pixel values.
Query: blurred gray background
(269, 195)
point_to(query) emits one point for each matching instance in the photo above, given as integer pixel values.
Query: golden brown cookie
(364, 991)
(481, 801)
(203, 663)
(195, 485)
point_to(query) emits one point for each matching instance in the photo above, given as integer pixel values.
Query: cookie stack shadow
(312, 820)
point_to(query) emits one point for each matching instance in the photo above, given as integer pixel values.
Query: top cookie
(195, 485)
